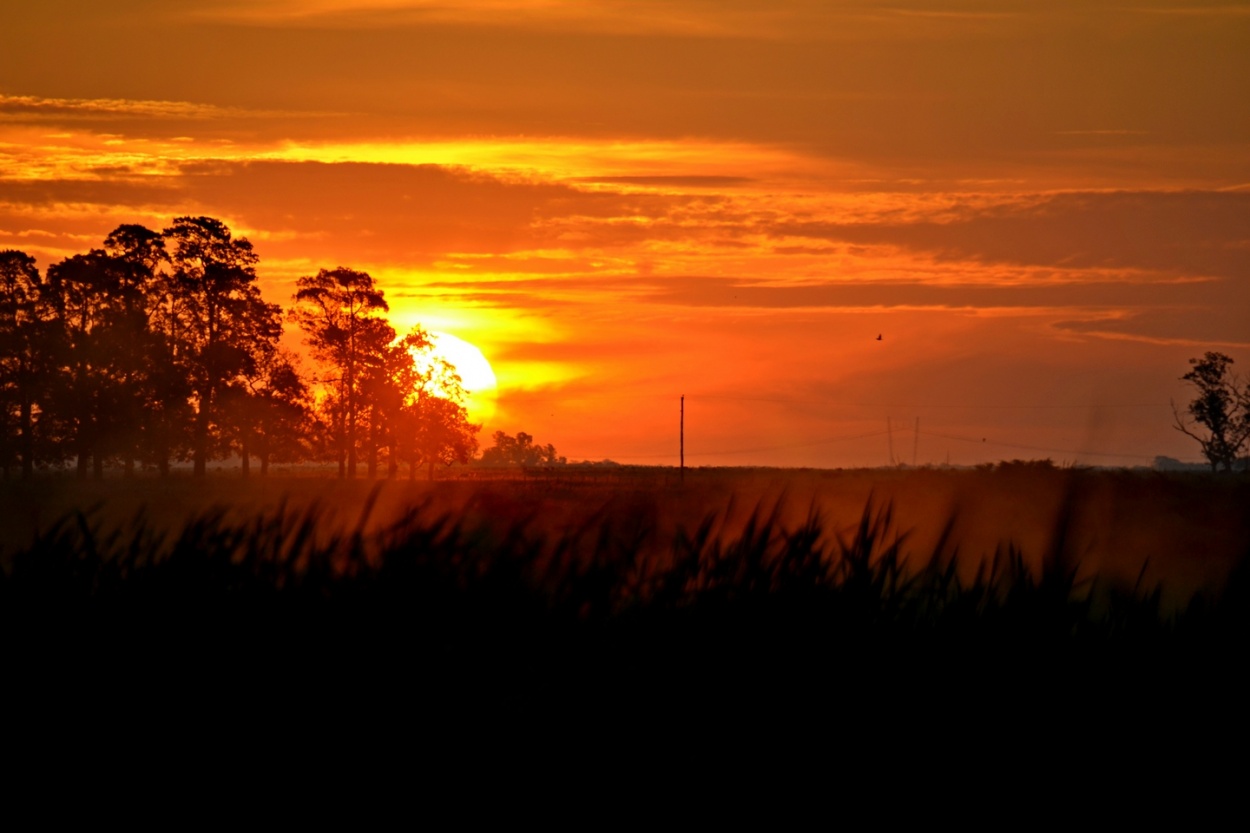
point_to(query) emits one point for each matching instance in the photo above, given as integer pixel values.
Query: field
(1182, 532)
(554, 589)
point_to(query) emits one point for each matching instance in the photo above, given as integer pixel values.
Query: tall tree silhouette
(157, 409)
(221, 323)
(91, 319)
(24, 357)
(338, 310)
(385, 386)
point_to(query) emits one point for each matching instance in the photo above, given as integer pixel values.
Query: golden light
(475, 372)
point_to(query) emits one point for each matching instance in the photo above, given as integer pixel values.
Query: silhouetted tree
(268, 411)
(155, 412)
(444, 434)
(1222, 407)
(520, 451)
(390, 383)
(77, 289)
(25, 358)
(436, 428)
(219, 323)
(338, 311)
(99, 310)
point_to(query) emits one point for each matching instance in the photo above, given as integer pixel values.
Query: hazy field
(1187, 531)
(627, 607)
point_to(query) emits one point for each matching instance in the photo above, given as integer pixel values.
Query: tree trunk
(262, 453)
(28, 441)
(201, 442)
(245, 460)
(97, 466)
(351, 439)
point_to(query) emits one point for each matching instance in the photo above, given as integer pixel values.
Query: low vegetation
(530, 596)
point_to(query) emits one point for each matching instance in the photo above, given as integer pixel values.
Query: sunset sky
(1043, 209)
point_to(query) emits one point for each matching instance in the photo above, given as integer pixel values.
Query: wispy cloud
(1212, 11)
(36, 107)
(804, 19)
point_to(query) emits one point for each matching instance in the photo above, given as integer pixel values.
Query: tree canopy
(1218, 417)
(520, 451)
(339, 311)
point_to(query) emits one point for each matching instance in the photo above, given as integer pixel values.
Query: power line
(804, 400)
(1087, 452)
(804, 444)
(846, 437)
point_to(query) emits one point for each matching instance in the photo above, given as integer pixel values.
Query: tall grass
(500, 618)
(435, 580)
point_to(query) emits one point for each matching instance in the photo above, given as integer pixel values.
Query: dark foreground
(529, 609)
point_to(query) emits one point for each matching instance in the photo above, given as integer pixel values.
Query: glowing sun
(475, 372)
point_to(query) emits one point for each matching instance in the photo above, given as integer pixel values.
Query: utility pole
(681, 477)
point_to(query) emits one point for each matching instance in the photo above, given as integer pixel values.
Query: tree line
(157, 348)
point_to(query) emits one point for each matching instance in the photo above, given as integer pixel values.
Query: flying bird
(878, 336)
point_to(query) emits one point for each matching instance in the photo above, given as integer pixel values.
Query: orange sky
(1044, 209)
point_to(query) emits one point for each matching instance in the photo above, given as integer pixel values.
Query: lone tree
(340, 312)
(1222, 408)
(224, 323)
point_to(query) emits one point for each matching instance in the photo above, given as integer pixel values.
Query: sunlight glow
(556, 156)
(474, 370)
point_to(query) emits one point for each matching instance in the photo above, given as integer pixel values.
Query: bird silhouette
(878, 336)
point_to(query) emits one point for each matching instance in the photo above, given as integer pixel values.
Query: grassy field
(555, 589)
(1183, 532)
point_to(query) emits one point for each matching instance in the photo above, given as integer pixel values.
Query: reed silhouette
(495, 605)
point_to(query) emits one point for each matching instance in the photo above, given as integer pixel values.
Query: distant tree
(1221, 408)
(25, 358)
(339, 311)
(520, 451)
(221, 326)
